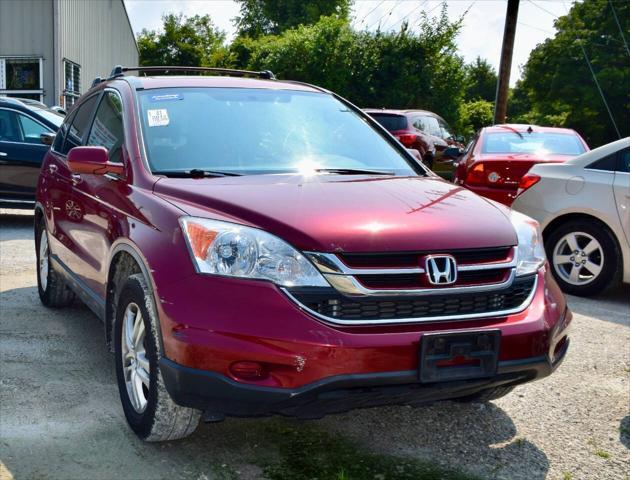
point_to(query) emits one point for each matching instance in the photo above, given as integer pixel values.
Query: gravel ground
(60, 416)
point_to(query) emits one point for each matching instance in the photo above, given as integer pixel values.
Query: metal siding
(26, 29)
(96, 35)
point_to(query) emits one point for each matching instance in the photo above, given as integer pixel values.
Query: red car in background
(498, 158)
(421, 130)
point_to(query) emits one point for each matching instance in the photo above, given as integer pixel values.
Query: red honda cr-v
(260, 247)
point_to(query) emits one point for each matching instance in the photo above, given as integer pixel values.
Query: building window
(22, 77)
(71, 82)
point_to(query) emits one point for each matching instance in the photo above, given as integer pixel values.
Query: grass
(307, 453)
(602, 453)
(567, 476)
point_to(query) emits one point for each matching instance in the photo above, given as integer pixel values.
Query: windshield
(532, 143)
(51, 116)
(255, 131)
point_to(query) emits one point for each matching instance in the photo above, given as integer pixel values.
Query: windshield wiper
(196, 173)
(353, 171)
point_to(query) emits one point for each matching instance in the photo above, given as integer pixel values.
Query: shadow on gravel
(624, 431)
(478, 438)
(613, 305)
(16, 227)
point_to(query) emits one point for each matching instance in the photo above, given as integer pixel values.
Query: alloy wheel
(135, 363)
(578, 258)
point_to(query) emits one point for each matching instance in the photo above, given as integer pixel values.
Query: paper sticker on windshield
(158, 117)
(163, 98)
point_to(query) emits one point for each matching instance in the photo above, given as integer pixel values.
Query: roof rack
(119, 71)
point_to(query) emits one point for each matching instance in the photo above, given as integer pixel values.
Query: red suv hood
(331, 213)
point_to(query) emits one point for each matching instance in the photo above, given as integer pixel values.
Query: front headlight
(223, 248)
(531, 252)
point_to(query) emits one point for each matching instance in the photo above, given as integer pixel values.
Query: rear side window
(390, 122)
(79, 126)
(8, 126)
(624, 161)
(607, 163)
(107, 129)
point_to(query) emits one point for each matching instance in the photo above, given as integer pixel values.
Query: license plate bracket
(459, 355)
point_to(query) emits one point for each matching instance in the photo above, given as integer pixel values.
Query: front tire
(53, 291)
(583, 257)
(149, 409)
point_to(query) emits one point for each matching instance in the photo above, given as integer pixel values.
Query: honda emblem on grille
(441, 269)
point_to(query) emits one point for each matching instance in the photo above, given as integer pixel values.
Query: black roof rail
(119, 70)
(96, 81)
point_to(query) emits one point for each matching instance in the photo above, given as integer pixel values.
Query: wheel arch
(125, 260)
(577, 216)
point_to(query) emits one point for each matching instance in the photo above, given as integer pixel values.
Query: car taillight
(407, 139)
(476, 175)
(527, 181)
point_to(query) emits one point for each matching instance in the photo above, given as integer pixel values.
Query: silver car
(583, 207)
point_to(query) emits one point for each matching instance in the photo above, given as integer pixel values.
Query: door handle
(76, 178)
(52, 168)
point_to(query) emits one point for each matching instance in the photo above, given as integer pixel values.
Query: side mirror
(452, 152)
(459, 139)
(415, 153)
(47, 138)
(92, 160)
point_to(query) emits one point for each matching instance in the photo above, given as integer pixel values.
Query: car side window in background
(428, 125)
(624, 161)
(31, 130)
(79, 125)
(107, 130)
(606, 164)
(445, 130)
(8, 126)
(391, 122)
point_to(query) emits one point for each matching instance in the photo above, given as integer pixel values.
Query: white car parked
(583, 207)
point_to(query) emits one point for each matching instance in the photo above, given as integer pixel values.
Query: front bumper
(219, 395)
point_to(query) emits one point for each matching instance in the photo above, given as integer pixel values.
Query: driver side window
(107, 130)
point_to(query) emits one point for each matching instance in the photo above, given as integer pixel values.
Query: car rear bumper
(219, 395)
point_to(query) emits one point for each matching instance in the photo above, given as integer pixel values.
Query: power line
(590, 67)
(370, 12)
(542, 8)
(386, 14)
(623, 37)
(409, 14)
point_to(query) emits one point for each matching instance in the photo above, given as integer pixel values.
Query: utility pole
(503, 84)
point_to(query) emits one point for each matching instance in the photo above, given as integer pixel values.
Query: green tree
(474, 115)
(481, 81)
(391, 69)
(264, 17)
(557, 86)
(192, 41)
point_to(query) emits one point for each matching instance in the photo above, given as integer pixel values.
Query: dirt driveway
(60, 416)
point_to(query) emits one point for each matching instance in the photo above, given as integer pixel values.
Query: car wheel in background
(53, 291)
(583, 256)
(149, 409)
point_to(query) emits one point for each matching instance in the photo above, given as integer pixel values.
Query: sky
(481, 34)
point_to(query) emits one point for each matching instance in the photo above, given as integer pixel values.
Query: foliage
(557, 86)
(480, 81)
(272, 17)
(394, 69)
(192, 41)
(474, 115)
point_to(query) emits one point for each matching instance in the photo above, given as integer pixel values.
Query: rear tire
(52, 289)
(486, 395)
(149, 409)
(576, 246)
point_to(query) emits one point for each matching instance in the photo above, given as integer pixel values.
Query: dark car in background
(22, 148)
(499, 156)
(422, 130)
